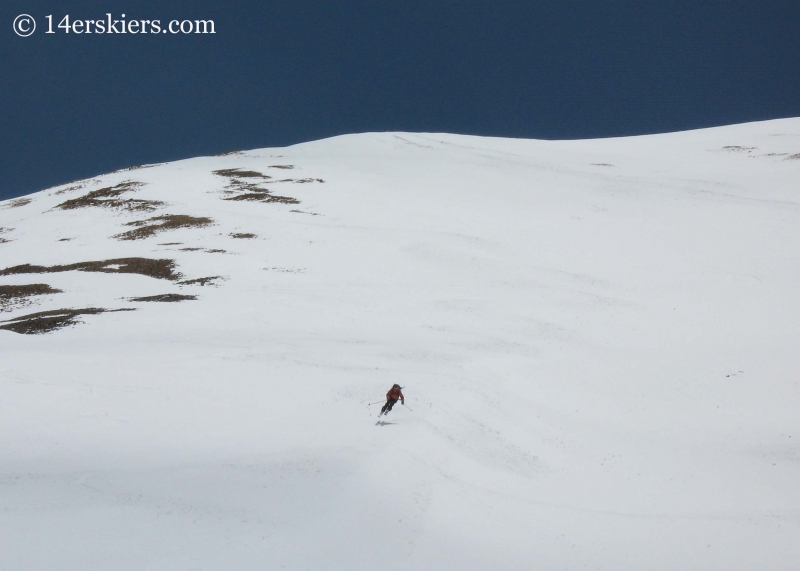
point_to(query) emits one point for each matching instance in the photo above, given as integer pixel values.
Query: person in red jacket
(391, 398)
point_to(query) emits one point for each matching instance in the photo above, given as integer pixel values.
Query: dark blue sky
(277, 73)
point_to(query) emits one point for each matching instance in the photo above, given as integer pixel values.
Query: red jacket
(394, 394)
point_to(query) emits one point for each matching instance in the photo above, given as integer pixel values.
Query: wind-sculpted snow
(597, 343)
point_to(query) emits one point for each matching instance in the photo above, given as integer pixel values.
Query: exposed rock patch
(151, 226)
(16, 203)
(166, 298)
(264, 196)
(238, 173)
(201, 281)
(737, 149)
(299, 180)
(138, 167)
(159, 269)
(75, 185)
(13, 296)
(47, 321)
(239, 189)
(108, 197)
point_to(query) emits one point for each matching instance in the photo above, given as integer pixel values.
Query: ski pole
(376, 402)
(408, 407)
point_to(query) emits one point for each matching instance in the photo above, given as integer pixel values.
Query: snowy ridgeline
(597, 339)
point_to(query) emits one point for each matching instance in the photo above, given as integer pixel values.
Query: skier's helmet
(395, 386)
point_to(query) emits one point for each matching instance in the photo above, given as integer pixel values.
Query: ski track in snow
(597, 340)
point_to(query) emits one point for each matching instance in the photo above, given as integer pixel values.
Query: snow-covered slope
(598, 341)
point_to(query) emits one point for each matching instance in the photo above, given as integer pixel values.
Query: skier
(391, 398)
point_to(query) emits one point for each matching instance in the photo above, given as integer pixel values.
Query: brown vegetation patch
(159, 269)
(16, 203)
(170, 244)
(47, 321)
(737, 148)
(281, 166)
(244, 235)
(795, 157)
(76, 185)
(165, 297)
(239, 189)
(138, 167)
(190, 249)
(152, 226)
(285, 270)
(300, 180)
(216, 251)
(16, 295)
(64, 239)
(304, 212)
(108, 197)
(229, 153)
(264, 197)
(237, 173)
(5, 241)
(201, 281)
(69, 189)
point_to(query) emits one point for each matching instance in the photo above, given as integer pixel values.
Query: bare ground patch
(737, 149)
(47, 321)
(16, 203)
(159, 269)
(285, 270)
(165, 298)
(151, 226)
(794, 157)
(299, 180)
(244, 235)
(15, 296)
(238, 173)
(304, 212)
(74, 185)
(5, 240)
(108, 197)
(264, 196)
(138, 167)
(287, 167)
(210, 280)
(239, 190)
